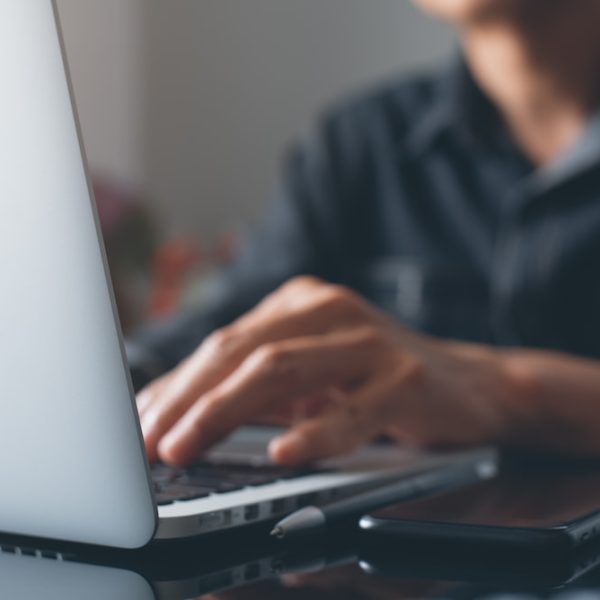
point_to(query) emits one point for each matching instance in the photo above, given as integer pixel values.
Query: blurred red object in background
(183, 273)
(153, 280)
(130, 240)
(173, 262)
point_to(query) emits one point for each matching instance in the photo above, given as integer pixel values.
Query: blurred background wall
(104, 41)
(192, 101)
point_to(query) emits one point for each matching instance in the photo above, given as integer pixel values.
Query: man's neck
(542, 73)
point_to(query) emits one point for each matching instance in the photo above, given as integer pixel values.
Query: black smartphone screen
(527, 499)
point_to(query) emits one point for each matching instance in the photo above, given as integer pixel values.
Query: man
(467, 205)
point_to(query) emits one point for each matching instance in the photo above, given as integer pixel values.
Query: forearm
(553, 402)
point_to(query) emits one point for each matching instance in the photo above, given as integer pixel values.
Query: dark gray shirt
(415, 195)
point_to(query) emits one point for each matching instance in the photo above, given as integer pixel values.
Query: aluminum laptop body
(73, 464)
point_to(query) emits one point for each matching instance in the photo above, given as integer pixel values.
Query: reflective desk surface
(342, 564)
(236, 568)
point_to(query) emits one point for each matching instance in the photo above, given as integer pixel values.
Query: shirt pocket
(441, 298)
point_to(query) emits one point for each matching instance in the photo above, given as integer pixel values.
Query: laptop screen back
(72, 463)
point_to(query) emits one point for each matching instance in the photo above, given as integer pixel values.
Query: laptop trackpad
(248, 445)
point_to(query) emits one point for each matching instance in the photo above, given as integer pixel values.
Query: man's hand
(346, 371)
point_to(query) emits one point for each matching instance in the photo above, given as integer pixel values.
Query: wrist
(497, 390)
(519, 399)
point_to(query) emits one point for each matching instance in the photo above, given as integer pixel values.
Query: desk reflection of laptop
(74, 466)
(27, 574)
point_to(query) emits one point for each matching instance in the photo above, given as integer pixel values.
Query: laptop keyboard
(175, 485)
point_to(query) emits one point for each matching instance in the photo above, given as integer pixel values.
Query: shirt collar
(584, 155)
(457, 105)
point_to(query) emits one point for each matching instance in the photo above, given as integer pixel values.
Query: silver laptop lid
(72, 461)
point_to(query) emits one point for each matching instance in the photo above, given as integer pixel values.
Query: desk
(249, 565)
(198, 571)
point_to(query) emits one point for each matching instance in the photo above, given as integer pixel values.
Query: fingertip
(169, 451)
(150, 452)
(179, 447)
(142, 402)
(143, 394)
(289, 449)
(149, 442)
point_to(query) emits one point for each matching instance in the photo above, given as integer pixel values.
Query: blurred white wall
(105, 49)
(195, 99)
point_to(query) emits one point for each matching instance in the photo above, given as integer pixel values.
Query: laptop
(73, 462)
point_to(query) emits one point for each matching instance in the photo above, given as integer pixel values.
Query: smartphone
(536, 509)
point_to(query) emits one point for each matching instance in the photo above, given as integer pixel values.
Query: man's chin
(470, 12)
